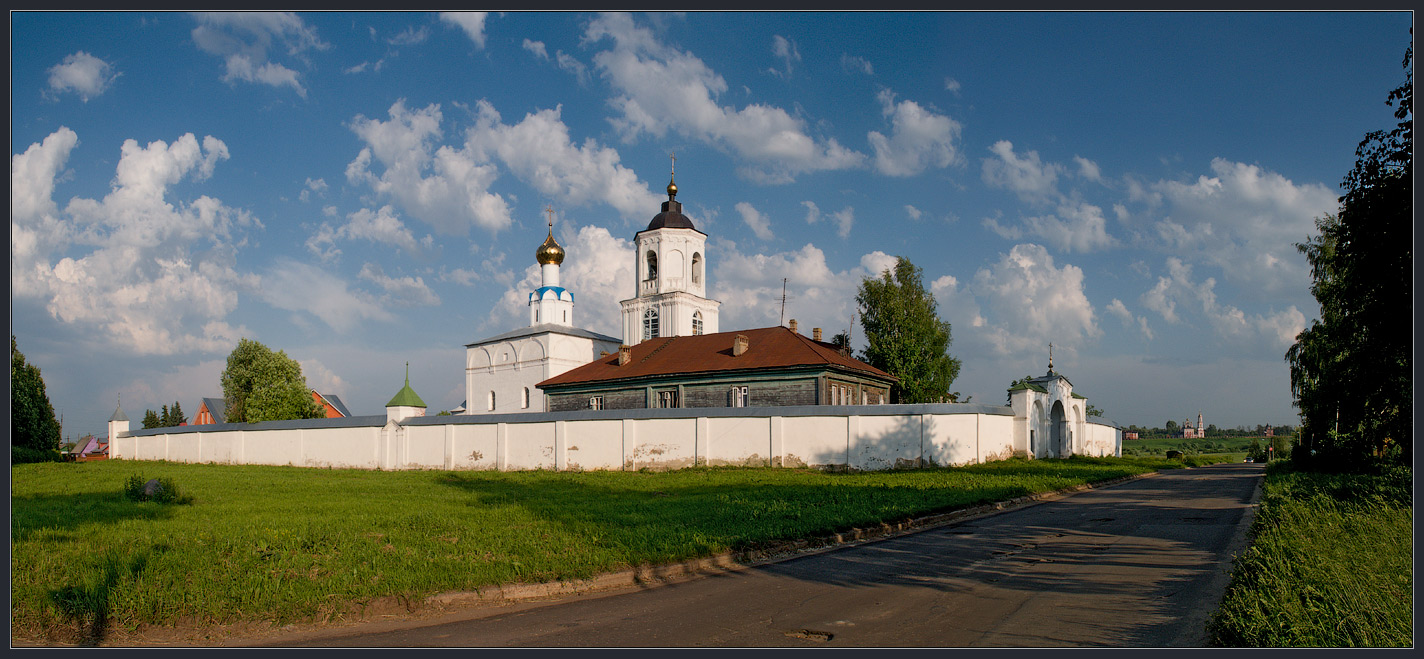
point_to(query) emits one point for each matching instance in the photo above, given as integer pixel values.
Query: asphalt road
(1141, 564)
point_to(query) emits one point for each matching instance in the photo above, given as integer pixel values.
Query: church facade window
(491, 401)
(696, 268)
(524, 402)
(650, 324)
(696, 323)
(652, 265)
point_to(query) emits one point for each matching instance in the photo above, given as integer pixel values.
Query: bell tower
(670, 272)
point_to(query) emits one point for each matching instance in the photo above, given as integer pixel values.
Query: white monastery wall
(885, 436)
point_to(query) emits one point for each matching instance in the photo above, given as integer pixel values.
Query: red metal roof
(768, 348)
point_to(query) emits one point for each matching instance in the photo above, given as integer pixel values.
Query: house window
(696, 323)
(650, 324)
(696, 268)
(652, 265)
(667, 399)
(491, 401)
(595, 402)
(864, 397)
(741, 396)
(525, 401)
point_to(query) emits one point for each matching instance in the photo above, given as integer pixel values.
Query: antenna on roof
(783, 301)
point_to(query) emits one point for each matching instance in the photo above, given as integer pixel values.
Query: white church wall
(996, 436)
(895, 436)
(594, 445)
(811, 440)
(742, 441)
(340, 448)
(951, 440)
(473, 446)
(529, 446)
(183, 449)
(425, 447)
(886, 442)
(665, 443)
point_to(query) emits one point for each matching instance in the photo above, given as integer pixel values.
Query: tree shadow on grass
(87, 606)
(65, 513)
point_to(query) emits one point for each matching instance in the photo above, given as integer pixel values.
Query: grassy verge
(284, 544)
(1330, 564)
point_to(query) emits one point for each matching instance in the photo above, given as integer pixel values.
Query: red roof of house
(768, 348)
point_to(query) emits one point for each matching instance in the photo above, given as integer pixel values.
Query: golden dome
(549, 252)
(672, 188)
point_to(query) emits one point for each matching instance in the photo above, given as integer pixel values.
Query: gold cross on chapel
(550, 211)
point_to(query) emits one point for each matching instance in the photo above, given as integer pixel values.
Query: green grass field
(1330, 564)
(283, 544)
(1160, 445)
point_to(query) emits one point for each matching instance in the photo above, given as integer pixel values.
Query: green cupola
(406, 397)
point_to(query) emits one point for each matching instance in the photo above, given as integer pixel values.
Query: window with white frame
(741, 396)
(595, 402)
(667, 399)
(650, 324)
(696, 322)
(696, 268)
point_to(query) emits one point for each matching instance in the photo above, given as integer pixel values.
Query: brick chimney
(793, 324)
(625, 354)
(816, 333)
(741, 343)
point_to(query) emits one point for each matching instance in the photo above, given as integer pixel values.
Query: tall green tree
(33, 425)
(904, 334)
(151, 420)
(261, 385)
(1351, 369)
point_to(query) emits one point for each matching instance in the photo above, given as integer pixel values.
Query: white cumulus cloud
(661, 88)
(759, 224)
(1028, 302)
(541, 153)
(155, 277)
(83, 74)
(472, 22)
(243, 40)
(1027, 176)
(919, 138)
(445, 187)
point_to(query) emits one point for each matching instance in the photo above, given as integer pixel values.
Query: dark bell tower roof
(671, 217)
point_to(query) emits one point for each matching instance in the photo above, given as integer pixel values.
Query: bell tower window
(650, 324)
(696, 323)
(652, 265)
(696, 268)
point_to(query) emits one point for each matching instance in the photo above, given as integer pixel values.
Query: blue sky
(363, 190)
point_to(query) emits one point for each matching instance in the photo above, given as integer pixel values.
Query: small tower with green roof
(406, 402)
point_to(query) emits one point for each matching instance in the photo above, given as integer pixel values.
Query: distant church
(1199, 432)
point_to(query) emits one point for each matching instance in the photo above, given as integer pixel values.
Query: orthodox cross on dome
(1050, 357)
(550, 210)
(672, 177)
